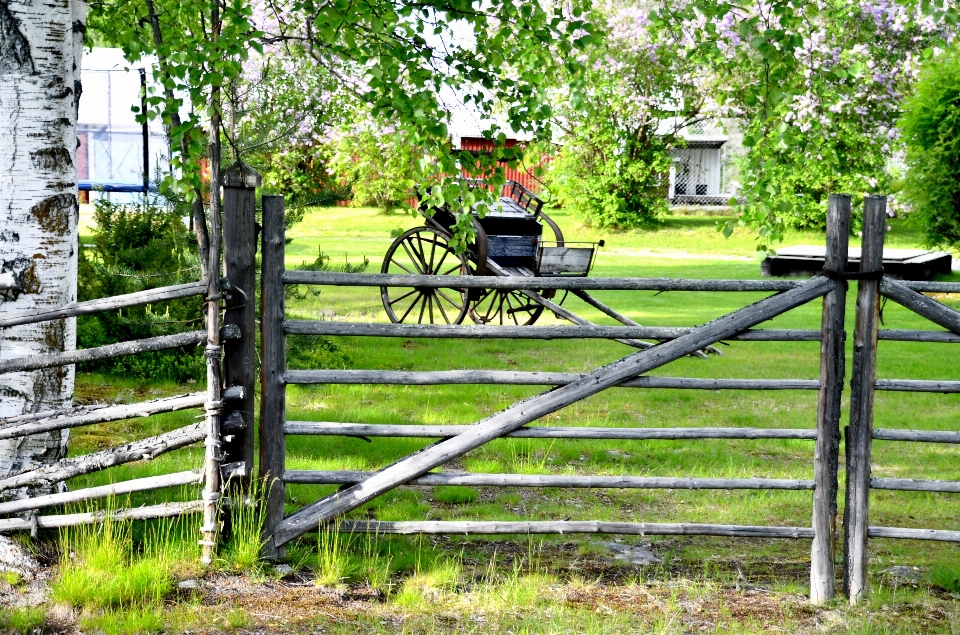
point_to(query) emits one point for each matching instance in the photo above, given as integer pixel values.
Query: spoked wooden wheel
(500, 306)
(424, 251)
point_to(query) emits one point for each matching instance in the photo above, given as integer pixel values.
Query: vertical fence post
(272, 364)
(211, 477)
(239, 266)
(860, 433)
(827, 449)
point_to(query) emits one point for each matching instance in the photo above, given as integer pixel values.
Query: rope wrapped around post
(212, 456)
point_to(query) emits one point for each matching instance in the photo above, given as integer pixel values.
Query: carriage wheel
(424, 251)
(500, 306)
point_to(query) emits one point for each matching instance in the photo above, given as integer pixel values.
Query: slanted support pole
(860, 432)
(827, 450)
(272, 364)
(239, 267)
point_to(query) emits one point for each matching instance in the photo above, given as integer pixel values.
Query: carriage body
(513, 234)
(509, 241)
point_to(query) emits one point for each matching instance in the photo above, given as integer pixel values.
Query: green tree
(378, 164)
(395, 58)
(137, 248)
(818, 88)
(640, 95)
(931, 132)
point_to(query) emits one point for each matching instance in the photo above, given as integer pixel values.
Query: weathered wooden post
(827, 450)
(272, 364)
(860, 433)
(212, 486)
(239, 264)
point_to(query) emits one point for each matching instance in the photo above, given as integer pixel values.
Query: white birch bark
(40, 46)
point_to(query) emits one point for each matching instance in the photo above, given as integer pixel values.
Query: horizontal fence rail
(915, 485)
(349, 477)
(440, 431)
(142, 450)
(88, 415)
(917, 385)
(520, 378)
(103, 491)
(515, 282)
(584, 284)
(939, 535)
(901, 335)
(920, 436)
(57, 521)
(468, 331)
(164, 342)
(924, 286)
(121, 349)
(465, 331)
(467, 527)
(139, 298)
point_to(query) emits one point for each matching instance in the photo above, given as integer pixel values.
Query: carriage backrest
(523, 197)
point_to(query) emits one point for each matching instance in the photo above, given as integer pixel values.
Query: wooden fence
(227, 430)
(228, 396)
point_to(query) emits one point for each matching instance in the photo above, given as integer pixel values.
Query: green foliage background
(931, 132)
(136, 248)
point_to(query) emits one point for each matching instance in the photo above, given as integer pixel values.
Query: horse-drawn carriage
(509, 241)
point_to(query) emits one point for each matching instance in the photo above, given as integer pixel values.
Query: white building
(111, 141)
(701, 172)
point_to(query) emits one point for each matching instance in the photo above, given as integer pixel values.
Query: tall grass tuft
(242, 551)
(345, 557)
(946, 575)
(22, 620)
(333, 560)
(101, 567)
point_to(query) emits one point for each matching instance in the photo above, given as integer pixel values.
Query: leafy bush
(380, 164)
(137, 248)
(299, 173)
(608, 188)
(931, 130)
(614, 165)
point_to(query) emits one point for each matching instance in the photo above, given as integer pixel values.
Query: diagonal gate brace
(523, 412)
(920, 304)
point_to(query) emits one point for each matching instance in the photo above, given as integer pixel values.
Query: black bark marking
(54, 213)
(14, 47)
(9, 236)
(23, 274)
(52, 158)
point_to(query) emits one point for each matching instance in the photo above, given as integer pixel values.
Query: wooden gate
(359, 488)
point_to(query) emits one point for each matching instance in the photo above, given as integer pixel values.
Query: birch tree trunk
(40, 47)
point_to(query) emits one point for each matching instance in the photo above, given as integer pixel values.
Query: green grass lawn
(709, 567)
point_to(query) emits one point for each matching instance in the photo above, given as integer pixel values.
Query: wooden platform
(905, 264)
